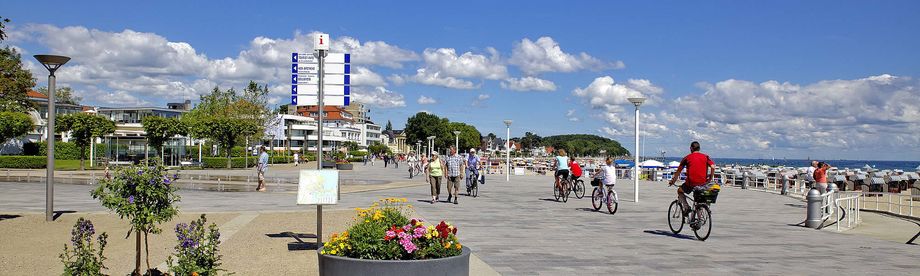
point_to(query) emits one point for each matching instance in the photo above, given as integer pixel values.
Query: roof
(332, 112)
(35, 94)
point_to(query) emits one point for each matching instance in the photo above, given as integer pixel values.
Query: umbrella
(673, 164)
(651, 164)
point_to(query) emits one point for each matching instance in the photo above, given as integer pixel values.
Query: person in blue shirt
(262, 168)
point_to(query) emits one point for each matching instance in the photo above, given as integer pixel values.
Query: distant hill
(585, 144)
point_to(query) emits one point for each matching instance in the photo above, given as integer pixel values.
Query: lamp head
(508, 123)
(52, 62)
(637, 101)
(456, 132)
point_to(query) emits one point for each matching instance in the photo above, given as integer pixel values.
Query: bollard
(785, 186)
(832, 204)
(813, 218)
(744, 181)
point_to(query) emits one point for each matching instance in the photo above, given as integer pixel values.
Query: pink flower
(407, 244)
(407, 228)
(420, 232)
(390, 235)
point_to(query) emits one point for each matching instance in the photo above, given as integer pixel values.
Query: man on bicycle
(700, 170)
(413, 164)
(472, 172)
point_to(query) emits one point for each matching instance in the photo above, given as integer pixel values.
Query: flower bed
(383, 240)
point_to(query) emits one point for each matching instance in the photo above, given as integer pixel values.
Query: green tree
(422, 125)
(378, 148)
(350, 145)
(83, 127)
(3, 22)
(63, 95)
(15, 82)
(14, 124)
(226, 132)
(469, 135)
(585, 144)
(160, 129)
(388, 128)
(531, 140)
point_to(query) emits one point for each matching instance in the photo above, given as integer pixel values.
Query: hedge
(62, 150)
(221, 162)
(356, 159)
(357, 153)
(23, 162)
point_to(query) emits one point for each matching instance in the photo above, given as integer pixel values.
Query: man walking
(262, 168)
(296, 159)
(455, 168)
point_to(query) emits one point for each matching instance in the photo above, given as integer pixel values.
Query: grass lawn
(72, 165)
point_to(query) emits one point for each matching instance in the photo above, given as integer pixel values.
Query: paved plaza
(516, 228)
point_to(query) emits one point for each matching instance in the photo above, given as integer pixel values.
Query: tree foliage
(3, 22)
(531, 140)
(378, 148)
(227, 118)
(160, 129)
(83, 127)
(585, 144)
(422, 125)
(14, 124)
(62, 95)
(15, 82)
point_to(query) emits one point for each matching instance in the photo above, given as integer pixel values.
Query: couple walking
(454, 166)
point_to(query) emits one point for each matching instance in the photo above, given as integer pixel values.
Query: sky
(748, 79)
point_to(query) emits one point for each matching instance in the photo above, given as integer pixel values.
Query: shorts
(687, 188)
(261, 176)
(562, 173)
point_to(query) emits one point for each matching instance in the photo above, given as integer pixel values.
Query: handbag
(482, 179)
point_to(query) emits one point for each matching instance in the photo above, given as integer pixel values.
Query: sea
(908, 166)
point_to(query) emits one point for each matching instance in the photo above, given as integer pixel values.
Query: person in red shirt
(700, 170)
(575, 169)
(820, 176)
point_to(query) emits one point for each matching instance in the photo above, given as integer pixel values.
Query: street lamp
(52, 63)
(508, 151)
(457, 140)
(637, 102)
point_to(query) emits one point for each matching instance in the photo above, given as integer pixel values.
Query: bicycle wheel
(475, 190)
(566, 189)
(703, 222)
(579, 189)
(596, 198)
(612, 203)
(410, 173)
(675, 217)
(556, 192)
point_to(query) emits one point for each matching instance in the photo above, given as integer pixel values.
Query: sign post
(320, 46)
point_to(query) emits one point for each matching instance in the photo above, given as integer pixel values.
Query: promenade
(514, 228)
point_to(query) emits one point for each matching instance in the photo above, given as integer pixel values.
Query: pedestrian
(386, 160)
(296, 159)
(810, 175)
(456, 165)
(262, 168)
(433, 174)
(396, 161)
(364, 158)
(820, 176)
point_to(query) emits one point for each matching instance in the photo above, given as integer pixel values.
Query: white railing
(851, 207)
(893, 203)
(827, 205)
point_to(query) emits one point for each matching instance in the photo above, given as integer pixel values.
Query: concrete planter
(336, 265)
(346, 166)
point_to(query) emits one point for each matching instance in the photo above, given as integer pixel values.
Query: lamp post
(637, 102)
(508, 151)
(52, 63)
(457, 140)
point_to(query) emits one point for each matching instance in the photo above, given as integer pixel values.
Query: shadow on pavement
(669, 234)
(299, 243)
(58, 214)
(6, 217)
(550, 199)
(589, 210)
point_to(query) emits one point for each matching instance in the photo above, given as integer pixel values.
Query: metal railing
(892, 206)
(850, 210)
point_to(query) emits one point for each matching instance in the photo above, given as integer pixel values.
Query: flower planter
(343, 166)
(331, 265)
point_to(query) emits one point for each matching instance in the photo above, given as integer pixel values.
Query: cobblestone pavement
(518, 229)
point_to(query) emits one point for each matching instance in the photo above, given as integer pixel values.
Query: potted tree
(384, 241)
(144, 196)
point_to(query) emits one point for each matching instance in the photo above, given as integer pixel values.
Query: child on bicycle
(606, 175)
(575, 170)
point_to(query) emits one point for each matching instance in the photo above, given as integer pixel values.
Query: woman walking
(433, 174)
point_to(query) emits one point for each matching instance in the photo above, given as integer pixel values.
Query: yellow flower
(367, 220)
(428, 236)
(194, 273)
(334, 252)
(458, 246)
(378, 215)
(446, 245)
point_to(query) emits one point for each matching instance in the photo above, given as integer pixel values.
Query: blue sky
(826, 79)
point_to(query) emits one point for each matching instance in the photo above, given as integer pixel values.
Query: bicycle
(472, 184)
(700, 215)
(600, 198)
(564, 195)
(578, 187)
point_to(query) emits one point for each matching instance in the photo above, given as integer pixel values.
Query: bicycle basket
(705, 196)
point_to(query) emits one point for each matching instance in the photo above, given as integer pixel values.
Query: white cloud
(545, 55)
(424, 76)
(571, 114)
(481, 99)
(528, 84)
(362, 76)
(426, 100)
(379, 96)
(605, 93)
(159, 70)
(468, 65)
